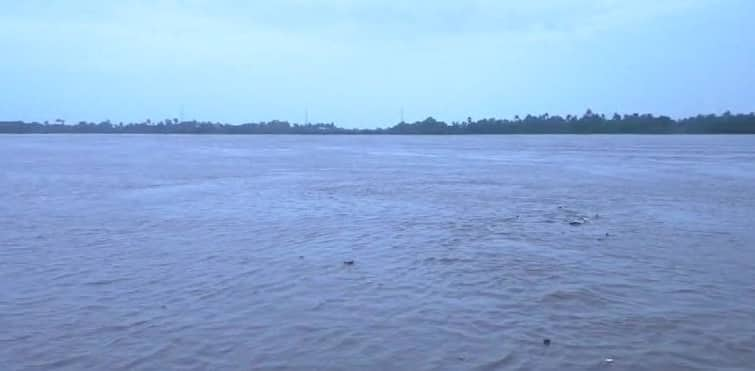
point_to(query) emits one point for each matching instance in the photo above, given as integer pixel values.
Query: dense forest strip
(589, 123)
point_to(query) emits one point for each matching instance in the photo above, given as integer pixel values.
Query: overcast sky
(357, 63)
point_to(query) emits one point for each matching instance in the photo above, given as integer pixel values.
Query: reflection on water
(214, 252)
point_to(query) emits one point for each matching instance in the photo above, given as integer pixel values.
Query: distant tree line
(588, 123)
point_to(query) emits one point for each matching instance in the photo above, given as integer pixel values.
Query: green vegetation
(589, 123)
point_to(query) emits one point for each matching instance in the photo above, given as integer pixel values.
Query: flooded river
(229, 252)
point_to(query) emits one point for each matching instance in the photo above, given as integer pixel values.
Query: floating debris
(546, 342)
(348, 262)
(577, 222)
(608, 360)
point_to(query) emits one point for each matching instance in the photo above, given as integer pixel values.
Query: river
(235, 252)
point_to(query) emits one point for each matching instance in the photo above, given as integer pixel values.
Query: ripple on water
(224, 253)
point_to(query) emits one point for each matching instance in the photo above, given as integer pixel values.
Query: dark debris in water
(546, 342)
(348, 262)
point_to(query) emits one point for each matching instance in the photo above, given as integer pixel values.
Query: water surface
(226, 252)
